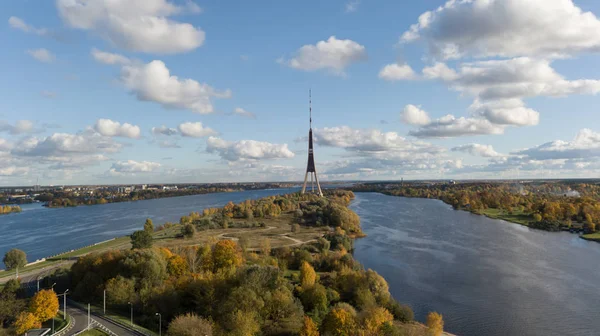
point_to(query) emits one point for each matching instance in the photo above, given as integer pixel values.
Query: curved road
(81, 321)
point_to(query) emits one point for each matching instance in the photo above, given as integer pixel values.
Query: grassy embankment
(518, 217)
(592, 237)
(94, 332)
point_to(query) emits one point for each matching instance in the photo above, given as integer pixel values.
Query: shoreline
(596, 235)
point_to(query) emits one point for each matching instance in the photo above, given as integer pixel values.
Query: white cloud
(65, 151)
(42, 55)
(333, 55)
(133, 167)
(20, 127)
(241, 112)
(164, 130)
(375, 143)
(499, 87)
(585, 145)
(109, 58)
(153, 82)
(247, 149)
(18, 23)
(111, 128)
(478, 150)
(5, 146)
(195, 130)
(507, 28)
(450, 126)
(394, 72)
(13, 171)
(413, 115)
(352, 6)
(135, 25)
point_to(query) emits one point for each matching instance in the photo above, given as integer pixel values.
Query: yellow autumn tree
(309, 328)
(225, 255)
(340, 321)
(308, 276)
(374, 318)
(177, 266)
(435, 323)
(44, 305)
(26, 321)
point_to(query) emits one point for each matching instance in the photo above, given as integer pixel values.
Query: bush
(188, 231)
(141, 239)
(189, 325)
(402, 313)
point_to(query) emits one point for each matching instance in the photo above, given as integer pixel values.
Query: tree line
(6, 209)
(548, 206)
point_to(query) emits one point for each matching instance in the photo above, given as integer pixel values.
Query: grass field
(518, 217)
(592, 236)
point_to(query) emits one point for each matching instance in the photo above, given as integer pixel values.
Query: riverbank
(516, 217)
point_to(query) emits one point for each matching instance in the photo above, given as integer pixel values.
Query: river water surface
(485, 276)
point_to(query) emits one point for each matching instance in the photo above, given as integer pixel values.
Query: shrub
(189, 325)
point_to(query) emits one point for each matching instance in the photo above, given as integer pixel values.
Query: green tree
(11, 286)
(149, 226)
(435, 323)
(120, 290)
(141, 239)
(188, 231)
(15, 258)
(189, 325)
(244, 324)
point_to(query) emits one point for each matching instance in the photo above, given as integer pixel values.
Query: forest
(547, 206)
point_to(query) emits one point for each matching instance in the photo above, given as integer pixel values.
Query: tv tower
(310, 167)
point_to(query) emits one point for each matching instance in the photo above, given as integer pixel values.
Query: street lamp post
(65, 304)
(131, 305)
(159, 324)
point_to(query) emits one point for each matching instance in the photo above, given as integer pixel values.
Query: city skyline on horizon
(157, 91)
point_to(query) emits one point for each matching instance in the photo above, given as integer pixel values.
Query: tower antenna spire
(310, 106)
(310, 168)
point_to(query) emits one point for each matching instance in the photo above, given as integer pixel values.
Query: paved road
(81, 322)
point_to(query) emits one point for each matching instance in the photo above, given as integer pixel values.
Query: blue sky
(523, 78)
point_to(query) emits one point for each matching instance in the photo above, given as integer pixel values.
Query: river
(485, 276)
(43, 232)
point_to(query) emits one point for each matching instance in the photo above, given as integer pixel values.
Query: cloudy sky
(119, 91)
